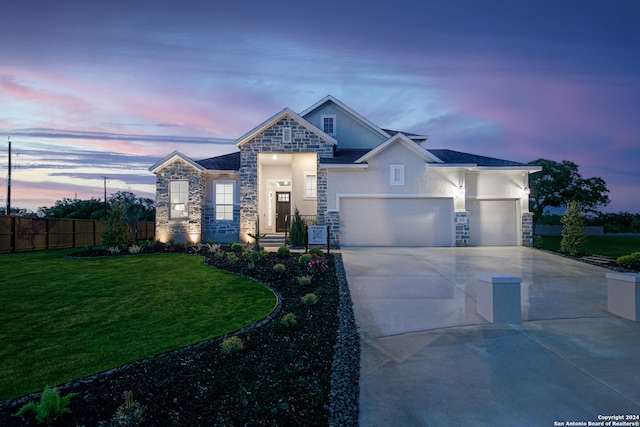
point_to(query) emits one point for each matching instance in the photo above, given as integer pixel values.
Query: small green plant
(251, 265)
(538, 241)
(289, 319)
(232, 257)
(212, 248)
(309, 299)
(284, 252)
(129, 414)
(50, 407)
(135, 249)
(279, 268)
(237, 247)
(218, 255)
(113, 249)
(574, 239)
(631, 261)
(88, 248)
(231, 345)
(304, 259)
(316, 251)
(304, 280)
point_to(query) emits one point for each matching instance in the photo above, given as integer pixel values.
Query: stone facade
(527, 229)
(181, 229)
(271, 140)
(333, 221)
(462, 228)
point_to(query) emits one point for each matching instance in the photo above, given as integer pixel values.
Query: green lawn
(611, 246)
(63, 319)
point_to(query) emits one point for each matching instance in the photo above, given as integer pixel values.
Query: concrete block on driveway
(499, 297)
(623, 295)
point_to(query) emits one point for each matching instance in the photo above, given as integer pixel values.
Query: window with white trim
(286, 134)
(310, 186)
(396, 174)
(224, 201)
(179, 196)
(329, 124)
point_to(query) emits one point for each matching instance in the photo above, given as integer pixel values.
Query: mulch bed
(283, 375)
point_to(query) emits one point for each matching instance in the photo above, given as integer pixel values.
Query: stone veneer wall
(333, 221)
(527, 229)
(462, 228)
(270, 140)
(183, 229)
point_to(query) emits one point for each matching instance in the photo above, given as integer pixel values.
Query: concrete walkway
(428, 359)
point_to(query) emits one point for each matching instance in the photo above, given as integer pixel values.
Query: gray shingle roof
(232, 161)
(457, 157)
(224, 162)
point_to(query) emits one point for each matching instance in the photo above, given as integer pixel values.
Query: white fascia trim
(275, 118)
(344, 166)
(508, 168)
(223, 172)
(348, 110)
(500, 197)
(400, 137)
(450, 166)
(172, 157)
(386, 196)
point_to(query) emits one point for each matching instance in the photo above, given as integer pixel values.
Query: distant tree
(620, 222)
(574, 238)
(93, 208)
(134, 210)
(559, 183)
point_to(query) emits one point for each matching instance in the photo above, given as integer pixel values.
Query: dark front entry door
(283, 210)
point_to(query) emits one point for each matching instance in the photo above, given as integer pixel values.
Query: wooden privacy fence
(19, 234)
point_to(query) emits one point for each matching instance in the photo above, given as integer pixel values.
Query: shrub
(113, 250)
(316, 251)
(251, 265)
(135, 249)
(88, 248)
(631, 261)
(237, 247)
(279, 268)
(289, 319)
(159, 246)
(304, 259)
(283, 252)
(115, 233)
(538, 241)
(574, 240)
(231, 345)
(212, 248)
(129, 414)
(298, 229)
(318, 264)
(309, 299)
(50, 407)
(304, 280)
(232, 257)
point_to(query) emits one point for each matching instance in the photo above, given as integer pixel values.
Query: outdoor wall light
(526, 191)
(275, 157)
(461, 190)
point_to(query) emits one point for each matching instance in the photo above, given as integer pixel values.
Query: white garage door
(396, 222)
(492, 222)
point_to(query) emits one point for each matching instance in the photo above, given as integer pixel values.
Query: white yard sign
(317, 235)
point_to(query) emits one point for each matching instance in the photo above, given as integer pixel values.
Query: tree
(574, 239)
(134, 210)
(298, 230)
(560, 183)
(115, 235)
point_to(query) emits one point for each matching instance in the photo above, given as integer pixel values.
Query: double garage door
(396, 222)
(424, 222)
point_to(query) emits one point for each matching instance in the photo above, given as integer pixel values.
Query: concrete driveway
(428, 359)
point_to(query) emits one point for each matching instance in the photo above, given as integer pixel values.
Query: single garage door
(396, 222)
(492, 222)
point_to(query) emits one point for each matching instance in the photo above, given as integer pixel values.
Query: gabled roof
(172, 157)
(279, 116)
(402, 139)
(226, 162)
(356, 116)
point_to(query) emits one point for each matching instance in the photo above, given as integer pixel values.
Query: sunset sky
(94, 89)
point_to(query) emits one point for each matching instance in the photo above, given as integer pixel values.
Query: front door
(283, 210)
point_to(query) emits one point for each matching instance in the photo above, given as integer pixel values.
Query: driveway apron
(428, 358)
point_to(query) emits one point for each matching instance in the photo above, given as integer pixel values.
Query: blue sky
(93, 89)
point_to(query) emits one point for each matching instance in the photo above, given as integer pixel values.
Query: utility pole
(9, 181)
(105, 193)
